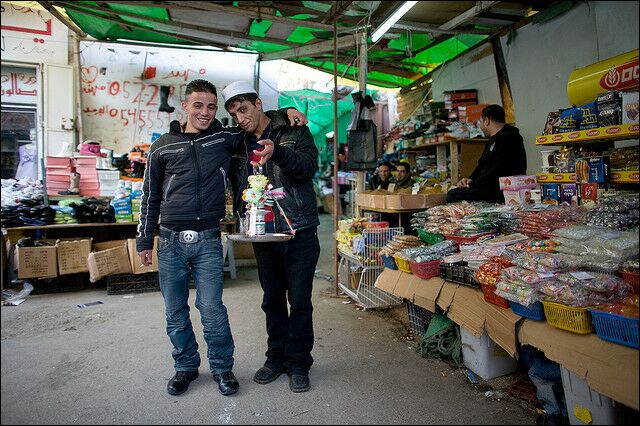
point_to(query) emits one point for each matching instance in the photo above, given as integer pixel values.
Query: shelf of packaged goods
(556, 177)
(624, 176)
(600, 134)
(440, 142)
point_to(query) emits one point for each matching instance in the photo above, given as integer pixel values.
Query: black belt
(189, 237)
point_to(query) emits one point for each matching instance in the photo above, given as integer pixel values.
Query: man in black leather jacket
(286, 269)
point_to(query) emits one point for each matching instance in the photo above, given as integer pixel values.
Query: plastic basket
(453, 272)
(429, 237)
(632, 278)
(575, 320)
(489, 295)
(534, 312)
(389, 262)
(464, 240)
(403, 264)
(419, 318)
(470, 278)
(426, 270)
(615, 328)
(133, 283)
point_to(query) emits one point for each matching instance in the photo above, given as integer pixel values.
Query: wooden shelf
(600, 134)
(446, 142)
(69, 225)
(380, 210)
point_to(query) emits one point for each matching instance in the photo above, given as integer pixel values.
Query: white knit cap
(237, 88)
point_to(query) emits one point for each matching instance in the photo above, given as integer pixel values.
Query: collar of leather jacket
(175, 127)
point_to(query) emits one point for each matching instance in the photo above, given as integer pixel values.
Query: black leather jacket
(292, 166)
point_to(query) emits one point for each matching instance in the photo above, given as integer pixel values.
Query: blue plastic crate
(534, 312)
(389, 262)
(615, 328)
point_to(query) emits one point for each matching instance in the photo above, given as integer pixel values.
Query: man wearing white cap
(286, 269)
(184, 183)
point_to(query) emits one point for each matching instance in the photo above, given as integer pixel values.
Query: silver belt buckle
(188, 237)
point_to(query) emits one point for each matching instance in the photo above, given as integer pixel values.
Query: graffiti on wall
(32, 35)
(19, 85)
(130, 94)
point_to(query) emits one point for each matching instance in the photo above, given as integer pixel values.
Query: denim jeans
(286, 271)
(176, 262)
(545, 374)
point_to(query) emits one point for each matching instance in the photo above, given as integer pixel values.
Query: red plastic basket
(491, 297)
(426, 270)
(633, 278)
(464, 240)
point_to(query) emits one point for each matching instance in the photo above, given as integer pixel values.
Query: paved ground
(109, 364)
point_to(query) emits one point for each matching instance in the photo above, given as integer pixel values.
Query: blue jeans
(545, 374)
(176, 262)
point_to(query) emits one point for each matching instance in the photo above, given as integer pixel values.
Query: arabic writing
(142, 118)
(18, 83)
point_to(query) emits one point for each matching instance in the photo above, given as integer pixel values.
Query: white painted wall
(540, 60)
(120, 109)
(542, 57)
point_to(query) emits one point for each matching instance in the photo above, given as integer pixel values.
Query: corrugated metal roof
(431, 33)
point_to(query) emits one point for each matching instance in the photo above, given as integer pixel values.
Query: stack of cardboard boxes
(71, 256)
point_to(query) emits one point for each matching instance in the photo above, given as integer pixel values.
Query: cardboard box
(518, 197)
(569, 193)
(513, 183)
(72, 256)
(37, 262)
(630, 110)
(104, 245)
(590, 193)
(135, 260)
(412, 202)
(592, 170)
(108, 262)
(550, 193)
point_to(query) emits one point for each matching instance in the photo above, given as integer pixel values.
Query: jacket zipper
(166, 192)
(204, 145)
(224, 178)
(195, 161)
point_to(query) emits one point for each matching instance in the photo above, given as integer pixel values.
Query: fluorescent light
(379, 32)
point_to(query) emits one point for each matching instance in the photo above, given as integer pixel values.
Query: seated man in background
(403, 176)
(503, 155)
(381, 179)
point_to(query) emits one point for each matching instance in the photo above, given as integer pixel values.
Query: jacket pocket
(214, 142)
(171, 151)
(166, 191)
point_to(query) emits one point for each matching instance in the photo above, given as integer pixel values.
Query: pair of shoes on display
(297, 382)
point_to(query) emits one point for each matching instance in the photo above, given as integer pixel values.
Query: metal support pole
(362, 86)
(336, 192)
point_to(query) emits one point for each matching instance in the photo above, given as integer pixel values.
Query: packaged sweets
(553, 123)
(589, 116)
(570, 120)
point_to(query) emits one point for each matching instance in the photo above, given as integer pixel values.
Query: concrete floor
(109, 364)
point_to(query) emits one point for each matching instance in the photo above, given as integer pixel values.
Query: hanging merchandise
(361, 135)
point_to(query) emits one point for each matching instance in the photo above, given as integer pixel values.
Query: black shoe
(227, 382)
(299, 383)
(266, 375)
(180, 382)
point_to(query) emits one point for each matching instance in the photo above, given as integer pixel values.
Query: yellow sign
(617, 73)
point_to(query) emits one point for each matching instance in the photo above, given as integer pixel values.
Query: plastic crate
(482, 356)
(576, 320)
(586, 406)
(426, 270)
(389, 262)
(615, 328)
(430, 238)
(490, 296)
(132, 283)
(453, 272)
(403, 264)
(534, 312)
(470, 278)
(633, 278)
(419, 318)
